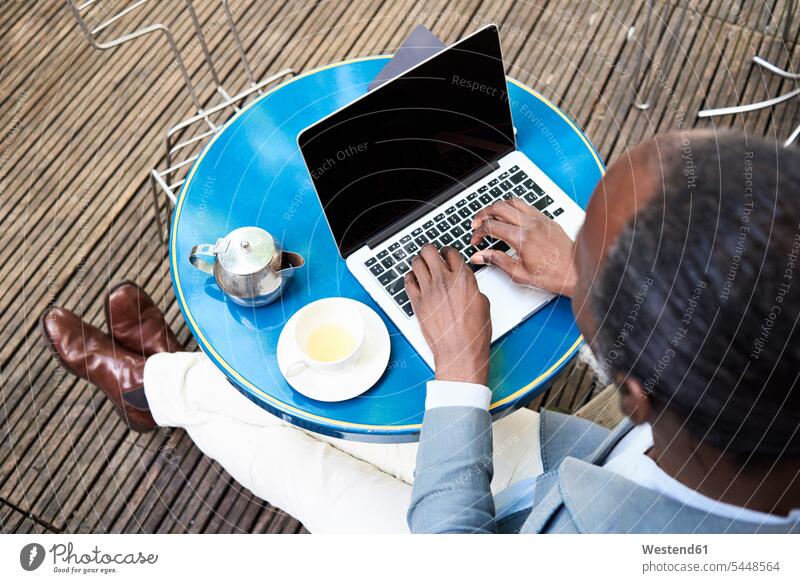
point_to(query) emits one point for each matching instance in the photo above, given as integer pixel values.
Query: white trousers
(330, 485)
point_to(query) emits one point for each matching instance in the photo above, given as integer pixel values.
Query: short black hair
(700, 296)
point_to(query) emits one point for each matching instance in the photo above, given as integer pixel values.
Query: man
(682, 284)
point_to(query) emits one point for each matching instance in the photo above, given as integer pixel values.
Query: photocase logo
(31, 556)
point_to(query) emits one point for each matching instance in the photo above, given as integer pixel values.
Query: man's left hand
(453, 314)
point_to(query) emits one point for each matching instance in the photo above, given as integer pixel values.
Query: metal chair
(763, 63)
(180, 154)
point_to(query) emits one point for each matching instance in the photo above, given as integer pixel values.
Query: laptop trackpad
(510, 303)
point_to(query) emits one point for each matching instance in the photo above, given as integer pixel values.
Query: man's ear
(634, 401)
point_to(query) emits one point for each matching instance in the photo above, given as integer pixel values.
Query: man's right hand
(453, 314)
(544, 250)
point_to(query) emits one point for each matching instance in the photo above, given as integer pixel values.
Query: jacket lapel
(599, 455)
(547, 500)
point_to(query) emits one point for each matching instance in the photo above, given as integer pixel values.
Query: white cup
(337, 313)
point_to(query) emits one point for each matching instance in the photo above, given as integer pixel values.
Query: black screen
(392, 152)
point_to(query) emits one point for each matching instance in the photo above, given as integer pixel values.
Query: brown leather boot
(136, 323)
(90, 354)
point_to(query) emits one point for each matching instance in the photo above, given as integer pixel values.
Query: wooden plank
(113, 492)
(563, 397)
(147, 496)
(603, 409)
(551, 60)
(745, 86)
(765, 17)
(191, 505)
(613, 100)
(584, 390)
(119, 473)
(14, 521)
(184, 459)
(18, 27)
(666, 97)
(213, 497)
(219, 520)
(272, 521)
(601, 32)
(246, 511)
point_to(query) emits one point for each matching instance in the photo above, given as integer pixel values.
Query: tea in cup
(329, 334)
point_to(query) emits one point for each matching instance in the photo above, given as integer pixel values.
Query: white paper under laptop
(411, 162)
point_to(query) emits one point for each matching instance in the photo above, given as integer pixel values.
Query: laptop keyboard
(453, 227)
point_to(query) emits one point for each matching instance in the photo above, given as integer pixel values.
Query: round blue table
(252, 173)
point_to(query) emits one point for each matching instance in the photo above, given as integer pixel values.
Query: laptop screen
(390, 153)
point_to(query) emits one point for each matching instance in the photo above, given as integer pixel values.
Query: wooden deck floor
(82, 128)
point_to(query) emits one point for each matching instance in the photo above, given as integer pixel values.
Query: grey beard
(600, 371)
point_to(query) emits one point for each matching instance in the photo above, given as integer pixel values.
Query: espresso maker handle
(202, 264)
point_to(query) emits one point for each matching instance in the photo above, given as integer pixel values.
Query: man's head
(689, 287)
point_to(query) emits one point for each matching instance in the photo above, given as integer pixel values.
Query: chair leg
(787, 23)
(646, 90)
(238, 41)
(790, 140)
(749, 106)
(776, 70)
(157, 210)
(637, 75)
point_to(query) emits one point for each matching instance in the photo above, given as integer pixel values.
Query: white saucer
(365, 373)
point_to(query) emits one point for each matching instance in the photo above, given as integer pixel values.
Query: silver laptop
(412, 161)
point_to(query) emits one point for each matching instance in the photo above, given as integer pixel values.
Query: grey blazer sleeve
(454, 470)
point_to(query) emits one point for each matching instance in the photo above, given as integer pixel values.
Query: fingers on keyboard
(453, 228)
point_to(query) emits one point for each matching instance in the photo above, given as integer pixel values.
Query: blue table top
(252, 173)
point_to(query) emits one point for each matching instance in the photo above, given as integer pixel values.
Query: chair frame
(644, 90)
(774, 69)
(170, 179)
